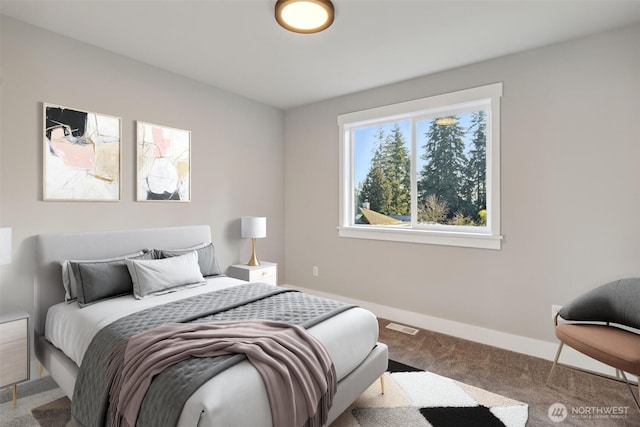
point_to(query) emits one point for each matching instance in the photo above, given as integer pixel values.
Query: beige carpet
(516, 375)
(21, 416)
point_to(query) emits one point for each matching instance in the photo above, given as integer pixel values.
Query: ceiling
(236, 45)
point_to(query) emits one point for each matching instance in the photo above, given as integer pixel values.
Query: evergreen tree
(396, 166)
(387, 186)
(476, 173)
(443, 172)
(377, 190)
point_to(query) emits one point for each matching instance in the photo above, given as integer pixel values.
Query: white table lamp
(253, 227)
(5, 245)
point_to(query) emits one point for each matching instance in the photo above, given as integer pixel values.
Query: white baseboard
(529, 346)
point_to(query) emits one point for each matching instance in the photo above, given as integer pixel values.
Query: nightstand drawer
(263, 275)
(266, 272)
(14, 352)
(13, 331)
(13, 366)
(271, 279)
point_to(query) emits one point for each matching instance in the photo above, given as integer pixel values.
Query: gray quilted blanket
(169, 390)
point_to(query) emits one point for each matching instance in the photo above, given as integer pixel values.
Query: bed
(349, 337)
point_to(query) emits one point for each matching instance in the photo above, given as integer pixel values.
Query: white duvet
(235, 397)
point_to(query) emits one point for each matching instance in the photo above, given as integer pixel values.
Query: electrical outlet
(315, 271)
(554, 310)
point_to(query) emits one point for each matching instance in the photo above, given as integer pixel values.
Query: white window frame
(488, 237)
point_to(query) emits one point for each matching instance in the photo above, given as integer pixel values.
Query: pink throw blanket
(297, 371)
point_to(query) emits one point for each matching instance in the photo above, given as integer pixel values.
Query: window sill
(427, 237)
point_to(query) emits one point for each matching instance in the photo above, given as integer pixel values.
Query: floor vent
(402, 328)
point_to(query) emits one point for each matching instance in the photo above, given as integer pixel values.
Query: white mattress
(71, 328)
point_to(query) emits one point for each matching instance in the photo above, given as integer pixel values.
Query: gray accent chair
(604, 324)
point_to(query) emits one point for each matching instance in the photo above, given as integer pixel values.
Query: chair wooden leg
(555, 362)
(382, 384)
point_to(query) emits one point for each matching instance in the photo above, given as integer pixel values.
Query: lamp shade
(5, 245)
(253, 227)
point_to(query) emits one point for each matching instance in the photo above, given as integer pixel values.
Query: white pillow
(158, 276)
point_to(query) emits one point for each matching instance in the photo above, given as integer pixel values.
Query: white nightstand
(266, 272)
(14, 349)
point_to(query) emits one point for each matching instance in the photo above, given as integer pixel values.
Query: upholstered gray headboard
(51, 248)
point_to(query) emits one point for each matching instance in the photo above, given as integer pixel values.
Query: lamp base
(254, 259)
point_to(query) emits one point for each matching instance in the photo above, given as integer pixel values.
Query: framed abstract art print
(81, 155)
(163, 163)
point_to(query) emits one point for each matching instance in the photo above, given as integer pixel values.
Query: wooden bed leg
(15, 396)
(40, 367)
(382, 384)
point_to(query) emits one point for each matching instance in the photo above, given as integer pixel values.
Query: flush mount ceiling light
(304, 16)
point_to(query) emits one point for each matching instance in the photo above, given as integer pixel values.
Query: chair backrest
(615, 302)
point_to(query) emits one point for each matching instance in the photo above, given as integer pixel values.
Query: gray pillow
(615, 302)
(206, 257)
(70, 269)
(103, 279)
(158, 276)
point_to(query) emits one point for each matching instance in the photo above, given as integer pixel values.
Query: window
(424, 171)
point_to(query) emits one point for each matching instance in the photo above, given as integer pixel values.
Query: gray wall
(570, 149)
(570, 200)
(237, 150)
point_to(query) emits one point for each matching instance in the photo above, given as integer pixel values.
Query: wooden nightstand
(14, 349)
(266, 272)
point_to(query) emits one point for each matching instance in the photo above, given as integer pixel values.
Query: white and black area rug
(415, 398)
